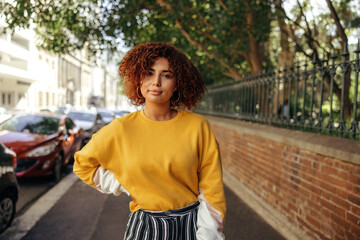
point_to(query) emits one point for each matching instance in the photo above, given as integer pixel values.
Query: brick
(339, 183)
(338, 229)
(354, 199)
(326, 195)
(350, 236)
(321, 218)
(327, 186)
(356, 189)
(355, 229)
(325, 212)
(304, 192)
(343, 175)
(337, 237)
(340, 221)
(316, 165)
(355, 179)
(311, 204)
(354, 219)
(332, 207)
(296, 181)
(341, 193)
(315, 224)
(311, 187)
(340, 202)
(328, 170)
(328, 161)
(303, 223)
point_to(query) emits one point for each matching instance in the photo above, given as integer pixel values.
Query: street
(82, 213)
(30, 189)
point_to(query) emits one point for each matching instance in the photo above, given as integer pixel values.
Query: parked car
(44, 143)
(121, 113)
(63, 109)
(90, 121)
(9, 189)
(107, 115)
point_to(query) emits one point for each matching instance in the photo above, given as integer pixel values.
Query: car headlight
(42, 151)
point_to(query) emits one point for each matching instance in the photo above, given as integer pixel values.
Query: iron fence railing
(313, 97)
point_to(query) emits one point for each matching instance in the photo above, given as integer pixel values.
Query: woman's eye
(167, 76)
(149, 74)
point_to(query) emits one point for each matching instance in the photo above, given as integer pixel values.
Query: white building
(74, 79)
(28, 77)
(32, 79)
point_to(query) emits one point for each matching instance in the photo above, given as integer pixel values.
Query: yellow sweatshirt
(162, 164)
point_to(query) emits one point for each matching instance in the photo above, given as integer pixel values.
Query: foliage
(226, 39)
(223, 38)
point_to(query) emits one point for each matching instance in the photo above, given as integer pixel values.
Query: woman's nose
(157, 80)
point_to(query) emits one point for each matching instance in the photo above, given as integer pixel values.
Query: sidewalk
(73, 210)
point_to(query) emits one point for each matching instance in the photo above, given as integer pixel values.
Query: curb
(25, 222)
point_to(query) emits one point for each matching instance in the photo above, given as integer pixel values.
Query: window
(47, 99)
(20, 41)
(40, 99)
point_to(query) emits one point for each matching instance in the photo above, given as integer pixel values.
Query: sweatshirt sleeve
(211, 181)
(86, 162)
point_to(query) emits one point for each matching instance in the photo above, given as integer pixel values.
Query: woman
(166, 159)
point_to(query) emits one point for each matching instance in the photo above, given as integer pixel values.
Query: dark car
(43, 143)
(9, 188)
(91, 122)
(121, 113)
(107, 115)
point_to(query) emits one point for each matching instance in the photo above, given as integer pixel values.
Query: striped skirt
(178, 224)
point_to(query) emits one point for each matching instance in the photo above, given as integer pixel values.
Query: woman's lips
(155, 92)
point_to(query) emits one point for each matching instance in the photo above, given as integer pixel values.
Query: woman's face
(159, 83)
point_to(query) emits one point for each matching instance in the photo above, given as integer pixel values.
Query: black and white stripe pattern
(179, 224)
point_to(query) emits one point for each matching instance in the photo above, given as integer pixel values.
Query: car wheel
(57, 168)
(7, 210)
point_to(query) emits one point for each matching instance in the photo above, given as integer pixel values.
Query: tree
(225, 39)
(313, 37)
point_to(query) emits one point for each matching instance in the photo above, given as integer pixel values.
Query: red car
(44, 143)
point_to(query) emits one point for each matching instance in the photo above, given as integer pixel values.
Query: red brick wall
(317, 193)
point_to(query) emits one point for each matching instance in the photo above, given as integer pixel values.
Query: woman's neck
(159, 113)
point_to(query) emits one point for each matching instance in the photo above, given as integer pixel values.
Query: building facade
(32, 79)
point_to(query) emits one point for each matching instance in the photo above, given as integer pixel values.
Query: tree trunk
(253, 56)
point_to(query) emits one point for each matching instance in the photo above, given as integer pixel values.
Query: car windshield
(32, 124)
(106, 114)
(89, 117)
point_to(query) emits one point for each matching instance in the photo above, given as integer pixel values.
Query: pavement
(73, 210)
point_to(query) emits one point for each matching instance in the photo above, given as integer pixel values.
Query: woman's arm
(106, 182)
(211, 213)
(211, 186)
(86, 162)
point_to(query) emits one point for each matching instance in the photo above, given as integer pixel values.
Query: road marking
(25, 222)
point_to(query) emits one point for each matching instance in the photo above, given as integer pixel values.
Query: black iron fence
(321, 96)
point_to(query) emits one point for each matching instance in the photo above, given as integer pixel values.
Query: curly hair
(137, 62)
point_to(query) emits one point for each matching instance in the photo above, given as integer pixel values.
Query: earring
(137, 92)
(177, 100)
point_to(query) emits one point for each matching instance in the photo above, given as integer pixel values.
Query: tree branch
(197, 44)
(339, 27)
(222, 5)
